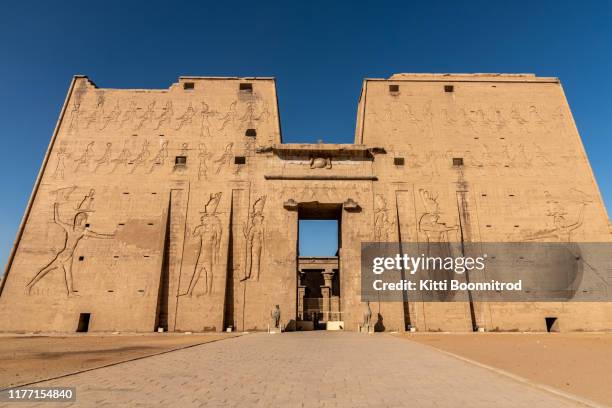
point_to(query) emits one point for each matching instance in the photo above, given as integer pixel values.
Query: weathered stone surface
(179, 208)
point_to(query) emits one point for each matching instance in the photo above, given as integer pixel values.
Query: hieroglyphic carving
(147, 117)
(264, 114)
(474, 119)
(74, 116)
(63, 194)
(112, 117)
(429, 222)
(225, 158)
(160, 158)
(308, 194)
(428, 116)
(414, 122)
(230, 117)
(165, 116)
(558, 119)
(202, 158)
(534, 115)
(535, 122)
(98, 113)
(142, 157)
(326, 192)
(466, 120)
(516, 156)
(84, 159)
(129, 115)
(249, 115)
(540, 156)
(87, 203)
(561, 228)
(74, 232)
(383, 227)
(516, 116)
(438, 239)
(470, 158)
(254, 236)
(253, 114)
(412, 158)
(187, 117)
(500, 120)
(205, 114)
(122, 159)
(481, 120)
(209, 238)
(61, 155)
(486, 157)
(449, 117)
(494, 117)
(105, 160)
(479, 117)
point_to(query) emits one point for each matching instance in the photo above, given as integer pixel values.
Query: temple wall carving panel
(178, 208)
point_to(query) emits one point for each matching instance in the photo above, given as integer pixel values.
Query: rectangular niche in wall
(457, 161)
(246, 87)
(83, 326)
(551, 324)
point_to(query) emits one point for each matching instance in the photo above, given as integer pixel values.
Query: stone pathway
(310, 369)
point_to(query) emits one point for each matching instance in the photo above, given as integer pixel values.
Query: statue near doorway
(276, 315)
(367, 317)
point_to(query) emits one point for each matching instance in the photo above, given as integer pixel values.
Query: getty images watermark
(412, 264)
(444, 271)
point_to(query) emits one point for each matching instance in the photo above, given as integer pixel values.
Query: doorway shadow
(379, 326)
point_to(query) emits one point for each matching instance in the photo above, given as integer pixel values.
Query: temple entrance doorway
(318, 267)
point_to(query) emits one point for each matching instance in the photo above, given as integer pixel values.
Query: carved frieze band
(317, 177)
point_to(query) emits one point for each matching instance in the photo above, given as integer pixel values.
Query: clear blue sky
(318, 51)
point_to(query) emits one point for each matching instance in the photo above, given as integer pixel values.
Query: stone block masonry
(178, 208)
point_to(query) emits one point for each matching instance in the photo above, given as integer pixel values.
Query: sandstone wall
(524, 177)
(179, 208)
(138, 177)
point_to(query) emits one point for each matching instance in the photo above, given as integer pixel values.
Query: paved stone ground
(311, 369)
